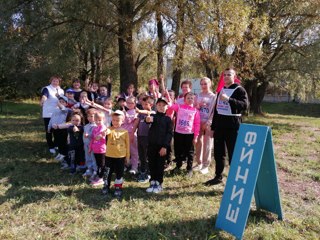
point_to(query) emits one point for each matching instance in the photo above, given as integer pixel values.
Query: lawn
(40, 201)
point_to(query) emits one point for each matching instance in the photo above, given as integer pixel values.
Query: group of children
(100, 139)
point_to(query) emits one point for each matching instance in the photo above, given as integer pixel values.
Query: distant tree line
(128, 40)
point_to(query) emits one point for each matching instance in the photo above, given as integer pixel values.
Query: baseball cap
(117, 113)
(69, 90)
(163, 99)
(64, 98)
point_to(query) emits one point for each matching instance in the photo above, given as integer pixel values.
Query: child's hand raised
(75, 129)
(163, 152)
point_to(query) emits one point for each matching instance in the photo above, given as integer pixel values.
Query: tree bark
(180, 43)
(160, 46)
(256, 94)
(128, 70)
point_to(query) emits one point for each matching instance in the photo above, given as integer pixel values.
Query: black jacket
(238, 102)
(160, 132)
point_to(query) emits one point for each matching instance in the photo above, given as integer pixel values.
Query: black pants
(142, 151)
(60, 140)
(223, 138)
(76, 156)
(114, 165)
(156, 163)
(183, 149)
(101, 164)
(49, 135)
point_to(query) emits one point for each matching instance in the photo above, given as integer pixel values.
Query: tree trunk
(180, 43)
(256, 94)
(160, 46)
(128, 71)
(93, 66)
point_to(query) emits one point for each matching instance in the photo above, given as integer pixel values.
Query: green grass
(40, 201)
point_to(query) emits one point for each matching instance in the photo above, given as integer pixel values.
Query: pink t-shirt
(130, 116)
(188, 119)
(98, 145)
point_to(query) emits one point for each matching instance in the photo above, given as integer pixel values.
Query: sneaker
(143, 177)
(93, 176)
(204, 170)
(157, 187)
(87, 173)
(97, 182)
(59, 157)
(118, 192)
(105, 190)
(216, 180)
(52, 151)
(64, 166)
(152, 185)
(133, 172)
(189, 174)
(198, 167)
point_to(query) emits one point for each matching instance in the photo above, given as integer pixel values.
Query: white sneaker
(59, 157)
(133, 172)
(64, 166)
(198, 167)
(204, 170)
(157, 187)
(152, 185)
(52, 151)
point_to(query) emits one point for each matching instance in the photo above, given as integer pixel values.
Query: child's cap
(163, 99)
(154, 81)
(69, 90)
(64, 98)
(117, 113)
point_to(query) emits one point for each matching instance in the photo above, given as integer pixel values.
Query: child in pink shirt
(98, 146)
(186, 132)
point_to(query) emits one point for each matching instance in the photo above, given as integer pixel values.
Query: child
(92, 89)
(130, 92)
(75, 146)
(121, 104)
(70, 96)
(104, 93)
(205, 100)
(117, 154)
(128, 124)
(143, 130)
(160, 135)
(76, 87)
(59, 116)
(83, 105)
(87, 136)
(98, 146)
(106, 109)
(186, 87)
(186, 132)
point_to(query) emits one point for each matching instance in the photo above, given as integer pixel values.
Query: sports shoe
(216, 180)
(64, 166)
(189, 174)
(97, 182)
(105, 190)
(87, 173)
(143, 177)
(204, 170)
(198, 167)
(118, 192)
(152, 185)
(133, 172)
(157, 187)
(59, 157)
(52, 151)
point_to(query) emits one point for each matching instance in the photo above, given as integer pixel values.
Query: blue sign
(252, 171)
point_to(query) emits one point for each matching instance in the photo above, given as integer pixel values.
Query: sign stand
(253, 171)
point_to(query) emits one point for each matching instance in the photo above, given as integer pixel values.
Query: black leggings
(49, 136)
(114, 165)
(101, 164)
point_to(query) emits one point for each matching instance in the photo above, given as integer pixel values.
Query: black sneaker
(105, 190)
(143, 177)
(216, 180)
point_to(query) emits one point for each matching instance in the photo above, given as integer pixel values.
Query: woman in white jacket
(49, 100)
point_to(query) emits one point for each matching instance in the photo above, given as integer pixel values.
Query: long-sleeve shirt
(87, 132)
(98, 139)
(118, 144)
(59, 116)
(160, 132)
(187, 120)
(75, 138)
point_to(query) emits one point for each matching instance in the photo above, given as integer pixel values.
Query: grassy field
(40, 201)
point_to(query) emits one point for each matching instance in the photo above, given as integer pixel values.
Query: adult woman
(204, 102)
(49, 101)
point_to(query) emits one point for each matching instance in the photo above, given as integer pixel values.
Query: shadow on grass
(187, 229)
(299, 109)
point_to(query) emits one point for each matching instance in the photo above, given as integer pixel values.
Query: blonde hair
(99, 114)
